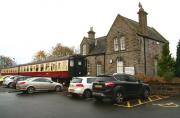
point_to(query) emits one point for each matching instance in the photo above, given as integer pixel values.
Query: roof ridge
(100, 37)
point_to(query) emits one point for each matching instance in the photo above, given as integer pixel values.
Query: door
(119, 66)
(99, 69)
(133, 86)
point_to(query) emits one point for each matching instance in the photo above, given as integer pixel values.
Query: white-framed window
(99, 69)
(84, 51)
(122, 43)
(116, 44)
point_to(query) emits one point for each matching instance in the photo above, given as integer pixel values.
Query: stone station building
(129, 47)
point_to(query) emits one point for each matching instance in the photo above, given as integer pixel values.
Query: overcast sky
(27, 26)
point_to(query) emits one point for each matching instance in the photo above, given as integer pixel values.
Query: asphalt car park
(61, 105)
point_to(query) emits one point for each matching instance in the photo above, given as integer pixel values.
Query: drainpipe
(144, 56)
(104, 64)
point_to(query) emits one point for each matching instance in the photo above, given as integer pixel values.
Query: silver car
(38, 84)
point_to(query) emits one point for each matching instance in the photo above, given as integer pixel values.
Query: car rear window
(105, 79)
(76, 80)
(90, 80)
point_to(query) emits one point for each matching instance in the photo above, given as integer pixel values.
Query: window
(31, 69)
(79, 63)
(84, 50)
(76, 80)
(90, 80)
(54, 66)
(116, 47)
(132, 79)
(71, 63)
(37, 68)
(121, 77)
(99, 69)
(42, 67)
(47, 67)
(122, 43)
(105, 79)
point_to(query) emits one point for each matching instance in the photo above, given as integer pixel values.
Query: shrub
(168, 76)
(150, 79)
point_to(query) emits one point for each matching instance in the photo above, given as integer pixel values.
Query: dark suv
(119, 86)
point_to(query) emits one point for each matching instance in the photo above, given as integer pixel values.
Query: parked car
(81, 86)
(34, 84)
(19, 78)
(119, 86)
(8, 81)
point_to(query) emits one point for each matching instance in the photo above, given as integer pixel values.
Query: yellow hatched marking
(128, 104)
(149, 99)
(141, 103)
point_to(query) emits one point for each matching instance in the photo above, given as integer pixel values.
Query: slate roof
(100, 47)
(152, 33)
(101, 41)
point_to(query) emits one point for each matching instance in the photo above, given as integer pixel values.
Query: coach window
(24, 68)
(71, 63)
(27, 68)
(59, 65)
(55, 66)
(47, 66)
(41, 69)
(37, 68)
(30, 68)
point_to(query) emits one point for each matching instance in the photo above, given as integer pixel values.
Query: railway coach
(60, 69)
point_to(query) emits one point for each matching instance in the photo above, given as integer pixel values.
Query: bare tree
(6, 61)
(60, 50)
(40, 55)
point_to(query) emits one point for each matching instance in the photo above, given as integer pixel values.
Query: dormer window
(84, 51)
(116, 46)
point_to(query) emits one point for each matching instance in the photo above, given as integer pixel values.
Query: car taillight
(109, 84)
(79, 85)
(22, 83)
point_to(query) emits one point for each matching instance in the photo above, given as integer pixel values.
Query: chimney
(91, 33)
(142, 20)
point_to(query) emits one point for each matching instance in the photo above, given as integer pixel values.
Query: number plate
(71, 90)
(98, 86)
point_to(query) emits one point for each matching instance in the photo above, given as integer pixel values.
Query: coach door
(119, 66)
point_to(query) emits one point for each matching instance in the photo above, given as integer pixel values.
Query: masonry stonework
(141, 49)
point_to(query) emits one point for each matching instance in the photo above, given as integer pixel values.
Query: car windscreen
(76, 80)
(105, 79)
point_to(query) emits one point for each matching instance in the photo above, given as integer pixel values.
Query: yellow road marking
(141, 103)
(128, 104)
(171, 104)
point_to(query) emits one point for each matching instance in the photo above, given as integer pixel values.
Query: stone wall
(172, 89)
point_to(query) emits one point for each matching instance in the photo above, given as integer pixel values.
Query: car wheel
(10, 85)
(58, 89)
(87, 94)
(30, 90)
(118, 98)
(146, 93)
(98, 99)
